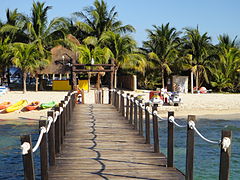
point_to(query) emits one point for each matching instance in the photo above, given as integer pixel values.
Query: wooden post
(64, 118)
(61, 123)
(58, 132)
(127, 106)
(66, 109)
(28, 159)
(135, 114)
(102, 96)
(43, 153)
(140, 118)
(170, 150)
(225, 155)
(122, 104)
(155, 130)
(83, 96)
(147, 124)
(51, 141)
(190, 149)
(131, 109)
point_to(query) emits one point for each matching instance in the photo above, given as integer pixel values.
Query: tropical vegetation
(98, 34)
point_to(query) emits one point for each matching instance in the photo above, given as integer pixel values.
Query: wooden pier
(101, 144)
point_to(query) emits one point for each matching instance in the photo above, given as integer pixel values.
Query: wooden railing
(51, 138)
(138, 113)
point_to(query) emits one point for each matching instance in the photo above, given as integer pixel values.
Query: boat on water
(19, 105)
(5, 105)
(48, 105)
(33, 105)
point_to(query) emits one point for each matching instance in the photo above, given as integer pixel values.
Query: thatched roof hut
(58, 63)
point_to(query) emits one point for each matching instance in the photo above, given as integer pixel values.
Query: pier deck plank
(101, 144)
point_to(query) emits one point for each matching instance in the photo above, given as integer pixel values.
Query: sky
(213, 16)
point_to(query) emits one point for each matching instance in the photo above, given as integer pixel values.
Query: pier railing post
(155, 129)
(28, 158)
(58, 131)
(147, 123)
(127, 106)
(140, 118)
(131, 110)
(170, 150)
(135, 113)
(51, 141)
(43, 152)
(61, 122)
(122, 104)
(102, 96)
(225, 154)
(63, 117)
(190, 149)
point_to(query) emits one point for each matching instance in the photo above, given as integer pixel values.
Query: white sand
(213, 106)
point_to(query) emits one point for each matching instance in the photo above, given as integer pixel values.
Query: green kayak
(47, 105)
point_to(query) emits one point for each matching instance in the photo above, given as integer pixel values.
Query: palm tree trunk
(98, 81)
(24, 82)
(36, 85)
(163, 78)
(192, 82)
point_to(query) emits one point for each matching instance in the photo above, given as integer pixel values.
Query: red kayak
(4, 105)
(34, 105)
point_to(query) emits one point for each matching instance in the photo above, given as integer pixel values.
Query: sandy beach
(210, 106)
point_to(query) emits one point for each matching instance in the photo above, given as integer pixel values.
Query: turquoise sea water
(206, 160)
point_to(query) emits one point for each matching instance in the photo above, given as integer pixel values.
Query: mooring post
(190, 149)
(155, 129)
(28, 158)
(102, 96)
(170, 150)
(135, 113)
(51, 141)
(225, 154)
(147, 123)
(67, 109)
(140, 117)
(131, 110)
(127, 106)
(43, 152)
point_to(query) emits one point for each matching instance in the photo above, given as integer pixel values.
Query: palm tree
(197, 47)
(225, 70)
(5, 55)
(26, 57)
(162, 47)
(97, 20)
(124, 51)
(97, 54)
(43, 34)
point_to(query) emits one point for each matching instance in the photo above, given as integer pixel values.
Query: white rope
(142, 105)
(172, 120)
(43, 130)
(192, 126)
(56, 116)
(25, 148)
(50, 119)
(61, 110)
(226, 142)
(136, 101)
(149, 109)
(132, 99)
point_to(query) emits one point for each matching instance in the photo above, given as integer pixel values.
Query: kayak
(4, 105)
(17, 106)
(34, 105)
(47, 105)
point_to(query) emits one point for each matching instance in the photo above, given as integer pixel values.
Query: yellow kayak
(17, 106)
